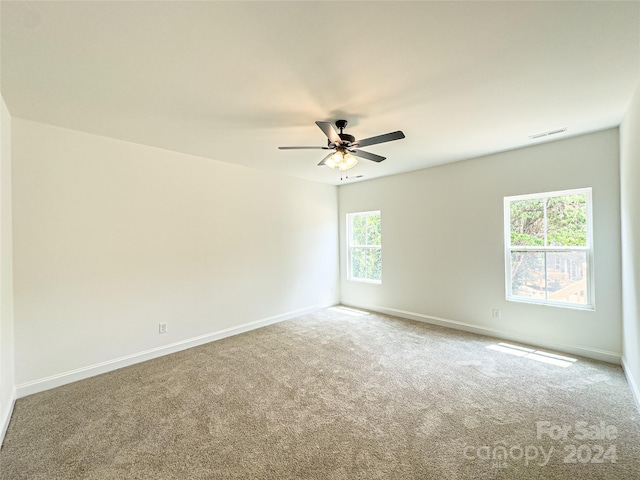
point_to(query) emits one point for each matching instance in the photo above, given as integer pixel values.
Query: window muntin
(364, 247)
(548, 248)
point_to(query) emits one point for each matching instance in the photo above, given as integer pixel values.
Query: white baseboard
(4, 422)
(596, 354)
(635, 391)
(64, 378)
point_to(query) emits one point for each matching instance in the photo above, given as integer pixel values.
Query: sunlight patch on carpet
(349, 311)
(538, 355)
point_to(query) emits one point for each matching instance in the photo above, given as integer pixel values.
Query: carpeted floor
(334, 395)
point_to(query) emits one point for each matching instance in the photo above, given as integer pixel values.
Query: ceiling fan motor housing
(347, 138)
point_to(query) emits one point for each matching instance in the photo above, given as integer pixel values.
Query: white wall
(7, 383)
(442, 234)
(112, 238)
(630, 201)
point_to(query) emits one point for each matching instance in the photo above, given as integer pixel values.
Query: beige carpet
(333, 395)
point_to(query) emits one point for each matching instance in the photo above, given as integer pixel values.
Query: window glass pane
(567, 276)
(358, 230)
(373, 230)
(567, 221)
(375, 264)
(527, 274)
(527, 222)
(359, 262)
(366, 263)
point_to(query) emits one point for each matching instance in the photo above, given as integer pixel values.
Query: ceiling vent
(546, 134)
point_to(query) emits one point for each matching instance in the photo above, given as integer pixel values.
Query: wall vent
(546, 134)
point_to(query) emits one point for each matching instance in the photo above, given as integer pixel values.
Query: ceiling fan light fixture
(344, 161)
(333, 161)
(349, 161)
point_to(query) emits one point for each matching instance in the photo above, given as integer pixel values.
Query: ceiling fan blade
(324, 160)
(387, 137)
(304, 148)
(330, 131)
(369, 156)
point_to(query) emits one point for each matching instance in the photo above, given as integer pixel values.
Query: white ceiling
(232, 81)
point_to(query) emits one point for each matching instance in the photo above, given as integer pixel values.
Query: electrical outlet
(162, 327)
(495, 313)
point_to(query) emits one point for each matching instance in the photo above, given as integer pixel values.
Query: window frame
(351, 246)
(588, 248)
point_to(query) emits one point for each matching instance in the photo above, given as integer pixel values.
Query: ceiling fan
(345, 147)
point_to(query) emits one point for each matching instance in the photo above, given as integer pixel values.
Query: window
(548, 248)
(364, 247)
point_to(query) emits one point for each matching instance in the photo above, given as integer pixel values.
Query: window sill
(365, 280)
(546, 303)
